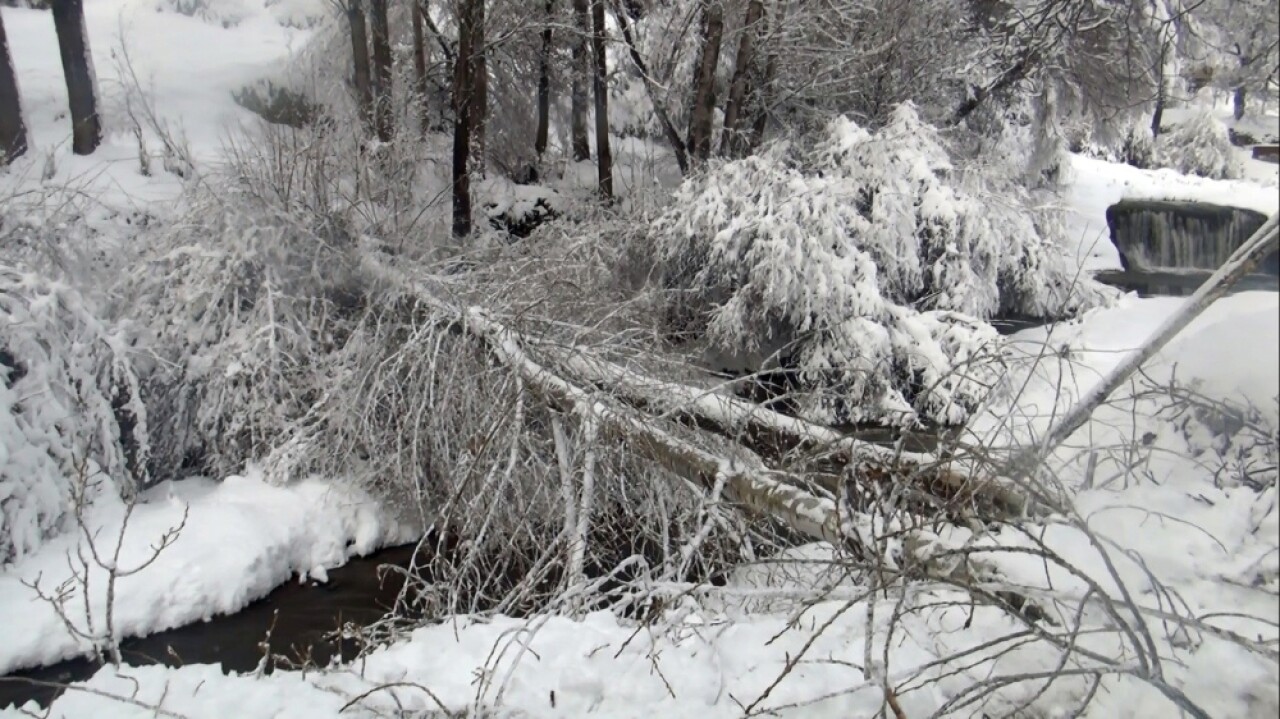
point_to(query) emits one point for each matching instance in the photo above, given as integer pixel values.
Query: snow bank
(243, 537)
(1097, 184)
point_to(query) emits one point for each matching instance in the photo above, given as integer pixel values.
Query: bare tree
(383, 112)
(604, 156)
(542, 134)
(463, 92)
(360, 60)
(733, 142)
(704, 101)
(479, 106)
(578, 89)
(77, 68)
(13, 133)
(420, 66)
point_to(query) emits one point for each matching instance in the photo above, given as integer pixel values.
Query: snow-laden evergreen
(875, 258)
(1199, 145)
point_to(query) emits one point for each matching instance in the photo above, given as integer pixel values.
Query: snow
(1210, 540)
(242, 538)
(1097, 184)
(187, 66)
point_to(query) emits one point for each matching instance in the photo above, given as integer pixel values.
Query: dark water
(302, 614)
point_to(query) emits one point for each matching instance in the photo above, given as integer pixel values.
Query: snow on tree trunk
(13, 132)
(77, 68)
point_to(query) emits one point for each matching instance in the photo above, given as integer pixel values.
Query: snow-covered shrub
(227, 13)
(245, 302)
(873, 258)
(1199, 145)
(70, 407)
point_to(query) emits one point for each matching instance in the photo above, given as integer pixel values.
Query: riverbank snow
(242, 538)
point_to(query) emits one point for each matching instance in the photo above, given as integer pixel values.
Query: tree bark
(479, 90)
(704, 100)
(77, 68)
(1238, 101)
(578, 89)
(420, 67)
(13, 132)
(650, 86)
(383, 110)
(360, 61)
(733, 142)
(542, 135)
(604, 155)
(462, 94)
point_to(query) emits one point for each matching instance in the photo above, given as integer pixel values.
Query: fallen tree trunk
(781, 435)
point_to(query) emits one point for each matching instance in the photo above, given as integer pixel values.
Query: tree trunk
(462, 92)
(578, 90)
(1237, 102)
(383, 111)
(360, 60)
(1157, 116)
(420, 67)
(77, 67)
(542, 136)
(704, 99)
(733, 143)
(650, 86)
(762, 113)
(604, 155)
(13, 132)
(479, 89)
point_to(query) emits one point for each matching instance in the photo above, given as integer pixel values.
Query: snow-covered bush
(70, 407)
(1199, 145)
(245, 303)
(873, 258)
(227, 13)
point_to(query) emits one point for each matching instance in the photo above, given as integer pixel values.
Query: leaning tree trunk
(733, 142)
(578, 87)
(77, 67)
(462, 92)
(13, 133)
(651, 88)
(1258, 247)
(604, 156)
(420, 87)
(479, 89)
(542, 135)
(383, 112)
(360, 61)
(704, 99)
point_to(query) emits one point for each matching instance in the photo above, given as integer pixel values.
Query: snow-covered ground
(1211, 541)
(242, 538)
(1096, 185)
